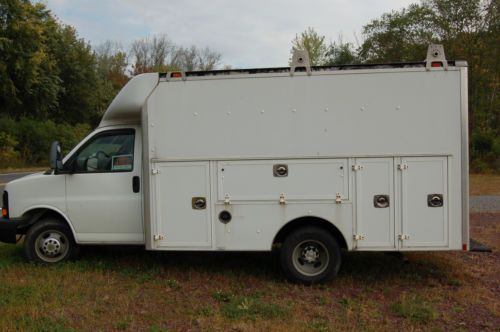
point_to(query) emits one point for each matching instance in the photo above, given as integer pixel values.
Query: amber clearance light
(5, 205)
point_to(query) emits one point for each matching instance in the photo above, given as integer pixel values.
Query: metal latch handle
(381, 201)
(435, 200)
(199, 203)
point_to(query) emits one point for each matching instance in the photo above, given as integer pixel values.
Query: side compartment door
(182, 205)
(424, 188)
(375, 203)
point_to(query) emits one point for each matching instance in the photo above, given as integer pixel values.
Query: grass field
(128, 289)
(484, 184)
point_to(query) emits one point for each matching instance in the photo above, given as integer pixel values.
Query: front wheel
(50, 241)
(310, 255)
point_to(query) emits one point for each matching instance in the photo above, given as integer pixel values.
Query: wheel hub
(51, 246)
(310, 254)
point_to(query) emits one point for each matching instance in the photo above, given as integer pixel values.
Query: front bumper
(9, 228)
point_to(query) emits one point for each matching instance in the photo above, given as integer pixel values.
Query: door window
(111, 151)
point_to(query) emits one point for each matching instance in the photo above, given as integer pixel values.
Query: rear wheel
(50, 241)
(310, 255)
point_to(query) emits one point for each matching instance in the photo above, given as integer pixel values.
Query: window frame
(69, 165)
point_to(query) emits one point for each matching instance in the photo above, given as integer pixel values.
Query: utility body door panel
(375, 203)
(424, 188)
(178, 187)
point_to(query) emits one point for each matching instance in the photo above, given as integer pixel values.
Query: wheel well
(37, 214)
(310, 221)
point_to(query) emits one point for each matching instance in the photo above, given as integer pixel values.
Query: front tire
(50, 241)
(310, 255)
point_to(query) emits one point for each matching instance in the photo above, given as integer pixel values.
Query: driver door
(103, 191)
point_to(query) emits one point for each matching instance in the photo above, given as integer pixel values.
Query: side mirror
(55, 157)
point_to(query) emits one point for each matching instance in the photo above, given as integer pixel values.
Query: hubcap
(310, 258)
(51, 246)
(310, 254)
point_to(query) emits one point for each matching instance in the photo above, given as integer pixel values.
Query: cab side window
(106, 152)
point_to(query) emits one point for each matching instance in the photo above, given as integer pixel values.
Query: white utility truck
(307, 160)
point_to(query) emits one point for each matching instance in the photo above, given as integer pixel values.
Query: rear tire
(50, 241)
(310, 255)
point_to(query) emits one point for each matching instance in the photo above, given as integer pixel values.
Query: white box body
(379, 154)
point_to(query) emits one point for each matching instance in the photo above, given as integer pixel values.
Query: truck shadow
(368, 267)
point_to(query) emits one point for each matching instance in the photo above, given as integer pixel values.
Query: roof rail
(300, 63)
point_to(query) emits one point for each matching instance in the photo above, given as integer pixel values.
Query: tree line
(54, 85)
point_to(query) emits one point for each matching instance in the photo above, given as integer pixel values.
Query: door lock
(435, 200)
(199, 203)
(381, 201)
(280, 170)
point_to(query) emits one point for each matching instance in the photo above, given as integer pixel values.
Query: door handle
(136, 184)
(199, 203)
(435, 200)
(381, 201)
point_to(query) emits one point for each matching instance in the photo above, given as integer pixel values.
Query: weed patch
(415, 308)
(43, 324)
(221, 296)
(252, 308)
(173, 284)
(122, 325)
(13, 295)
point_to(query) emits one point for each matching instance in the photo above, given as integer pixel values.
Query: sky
(248, 33)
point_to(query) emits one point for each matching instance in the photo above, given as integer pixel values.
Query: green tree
(29, 81)
(46, 71)
(469, 30)
(340, 53)
(313, 43)
(399, 36)
(76, 63)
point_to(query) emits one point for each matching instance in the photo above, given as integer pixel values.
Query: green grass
(43, 324)
(319, 325)
(248, 307)
(243, 307)
(415, 308)
(130, 289)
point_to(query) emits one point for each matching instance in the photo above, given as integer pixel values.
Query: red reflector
(437, 64)
(176, 74)
(464, 247)
(4, 213)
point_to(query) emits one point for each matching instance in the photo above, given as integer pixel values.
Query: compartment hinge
(402, 167)
(358, 237)
(158, 237)
(338, 198)
(227, 199)
(357, 167)
(402, 237)
(155, 171)
(282, 199)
